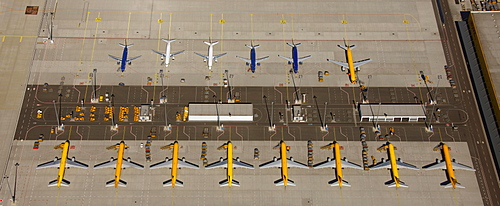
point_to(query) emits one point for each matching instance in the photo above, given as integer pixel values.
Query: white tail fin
(335, 183)
(211, 43)
(225, 183)
(169, 183)
(64, 182)
(111, 183)
(169, 40)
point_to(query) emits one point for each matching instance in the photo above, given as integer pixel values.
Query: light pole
(220, 127)
(15, 185)
(269, 118)
(323, 126)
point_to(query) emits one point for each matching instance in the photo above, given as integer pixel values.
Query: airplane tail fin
(250, 46)
(280, 182)
(392, 183)
(335, 183)
(225, 183)
(169, 40)
(64, 182)
(211, 43)
(124, 45)
(111, 183)
(169, 183)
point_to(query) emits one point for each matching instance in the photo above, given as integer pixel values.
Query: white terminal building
(391, 112)
(207, 112)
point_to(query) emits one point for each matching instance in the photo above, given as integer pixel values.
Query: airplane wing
(134, 58)
(272, 163)
(462, 167)
(115, 58)
(186, 164)
(74, 163)
(201, 55)
(237, 163)
(326, 164)
(220, 55)
(386, 164)
(53, 163)
(406, 165)
(106, 164)
(167, 163)
(339, 63)
(261, 59)
(292, 163)
(286, 58)
(245, 59)
(304, 58)
(171, 55)
(435, 165)
(162, 54)
(217, 164)
(361, 62)
(129, 163)
(347, 164)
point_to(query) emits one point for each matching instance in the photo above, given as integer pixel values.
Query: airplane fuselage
(295, 58)
(119, 162)
(210, 56)
(338, 163)
(230, 164)
(350, 63)
(449, 166)
(284, 166)
(62, 165)
(175, 163)
(167, 54)
(124, 59)
(394, 166)
(253, 60)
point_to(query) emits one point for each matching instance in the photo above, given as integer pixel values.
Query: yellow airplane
(174, 164)
(392, 164)
(118, 164)
(62, 163)
(229, 163)
(278, 162)
(449, 165)
(352, 65)
(338, 164)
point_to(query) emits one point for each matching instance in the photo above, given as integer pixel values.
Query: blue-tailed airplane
(295, 60)
(123, 61)
(253, 61)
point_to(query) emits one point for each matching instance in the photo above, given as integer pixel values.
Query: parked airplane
(210, 58)
(338, 164)
(175, 163)
(284, 163)
(392, 164)
(165, 57)
(295, 60)
(62, 163)
(229, 163)
(448, 165)
(253, 61)
(123, 61)
(352, 65)
(119, 163)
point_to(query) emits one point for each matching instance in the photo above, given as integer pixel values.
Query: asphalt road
(474, 132)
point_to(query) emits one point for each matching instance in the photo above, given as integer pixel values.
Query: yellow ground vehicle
(185, 114)
(39, 114)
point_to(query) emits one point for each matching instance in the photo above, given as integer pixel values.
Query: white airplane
(338, 164)
(229, 163)
(165, 57)
(62, 163)
(284, 165)
(175, 163)
(210, 58)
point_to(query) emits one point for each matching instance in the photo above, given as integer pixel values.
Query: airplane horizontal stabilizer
(225, 183)
(64, 182)
(447, 184)
(168, 41)
(280, 182)
(123, 45)
(211, 43)
(392, 183)
(168, 183)
(111, 183)
(335, 183)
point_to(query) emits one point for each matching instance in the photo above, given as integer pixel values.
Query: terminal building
(391, 112)
(213, 112)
